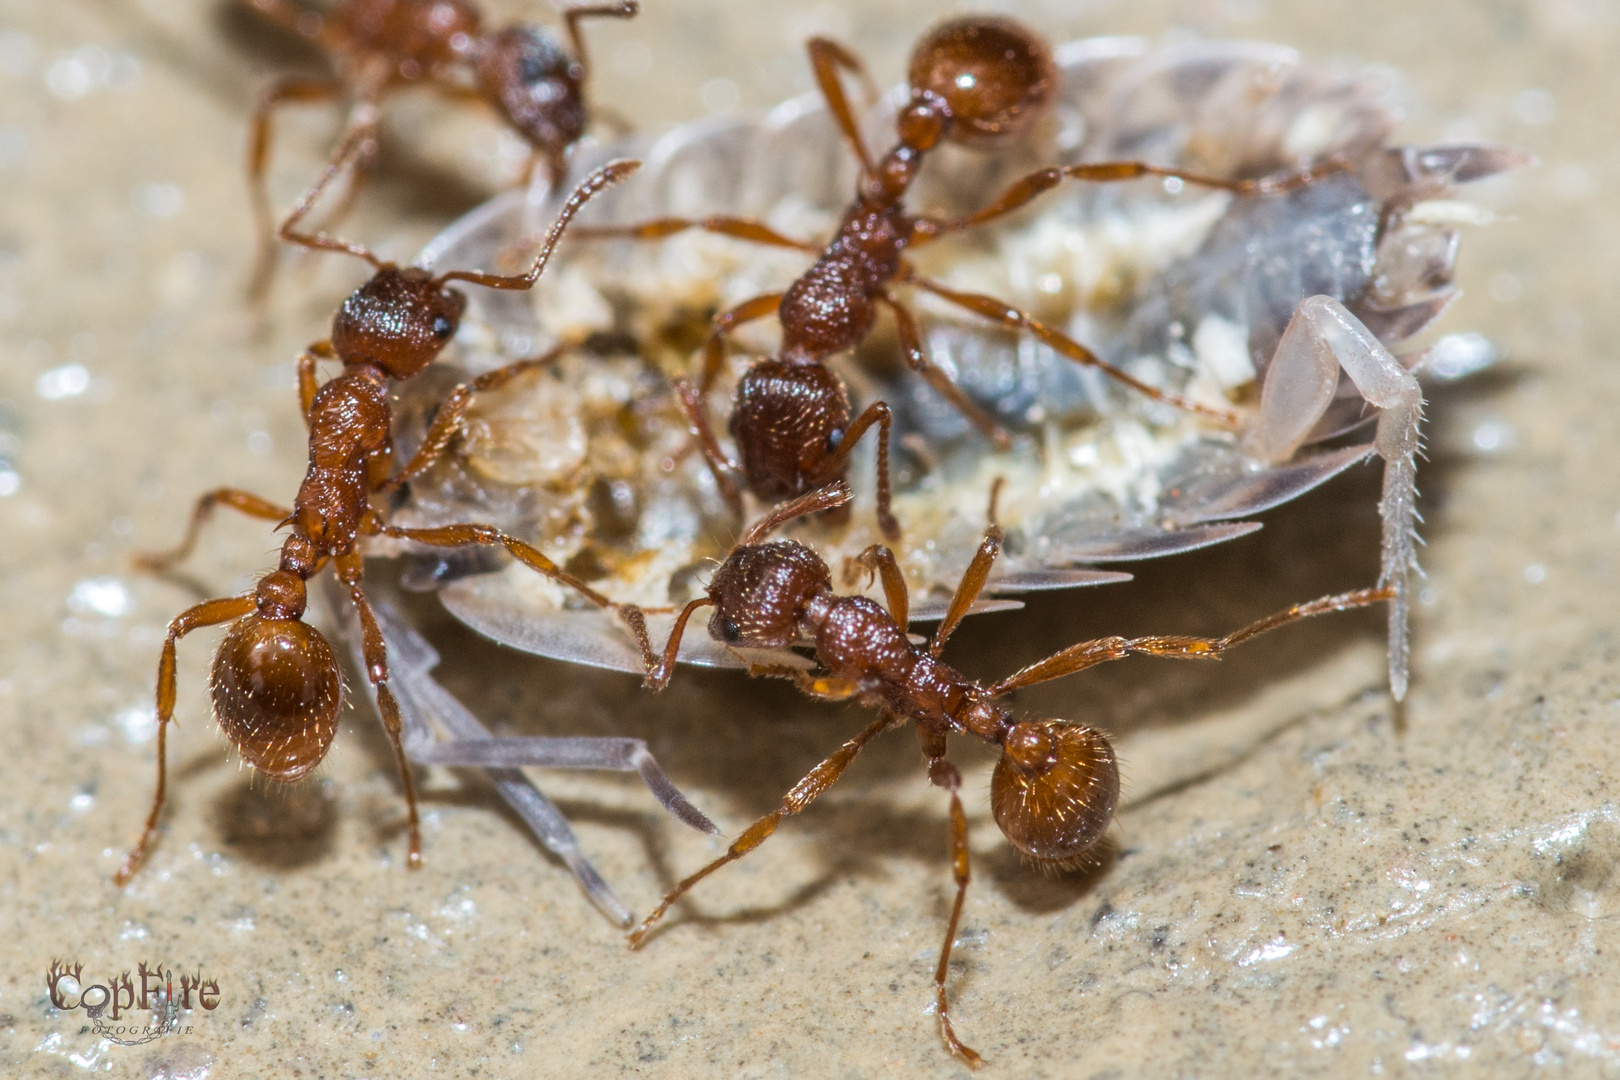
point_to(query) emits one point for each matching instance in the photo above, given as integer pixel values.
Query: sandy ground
(1302, 881)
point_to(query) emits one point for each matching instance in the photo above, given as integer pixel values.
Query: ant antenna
(589, 188)
(827, 498)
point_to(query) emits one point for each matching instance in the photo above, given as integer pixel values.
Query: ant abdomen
(1055, 788)
(276, 688)
(995, 75)
(536, 84)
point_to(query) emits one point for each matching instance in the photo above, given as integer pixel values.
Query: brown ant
(275, 682)
(378, 46)
(1056, 785)
(977, 81)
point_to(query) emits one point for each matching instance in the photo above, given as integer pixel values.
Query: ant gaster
(977, 81)
(378, 46)
(275, 682)
(1056, 785)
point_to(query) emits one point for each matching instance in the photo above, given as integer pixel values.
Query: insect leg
(876, 413)
(1022, 191)
(1090, 653)
(943, 774)
(800, 796)
(905, 324)
(208, 613)
(1012, 318)
(375, 652)
(447, 420)
(242, 502)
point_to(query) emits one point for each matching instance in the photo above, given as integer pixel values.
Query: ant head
(535, 83)
(788, 420)
(276, 689)
(399, 320)
(1055, 788)
(760, 591)
(995, 76)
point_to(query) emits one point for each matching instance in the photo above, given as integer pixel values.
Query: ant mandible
(377, 46)
(1056, 785)
(977, 81)
(275, 682)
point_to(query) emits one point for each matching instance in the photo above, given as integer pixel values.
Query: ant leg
(942, 773)
(714, 346)
(375, 651)
(308, 384)
(724, 469)
(905, 324)
(489, 536)
(281, 92)
(826, 57)
(1090, 653)
(572, 15)
(1001, 312)
(208, 613)
(802, 794)
(820, 687)
(352, 147)
(1021, 192)
(447, 421)
(968, 589)
(242, 502)
(880, 559)
(876, 413)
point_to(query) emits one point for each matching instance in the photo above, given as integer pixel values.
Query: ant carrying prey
(275, 682)
(379, 46)
(1056, 784)
(979, 81)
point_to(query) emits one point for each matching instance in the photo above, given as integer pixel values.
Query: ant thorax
(1186, 289)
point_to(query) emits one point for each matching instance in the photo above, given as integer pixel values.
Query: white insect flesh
(1193, 291)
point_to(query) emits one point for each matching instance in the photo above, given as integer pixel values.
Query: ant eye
(443, 327)
(834, 437)
(730, 631)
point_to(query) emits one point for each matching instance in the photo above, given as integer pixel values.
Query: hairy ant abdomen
(1054, 789)
(276, 686)
(995, 76)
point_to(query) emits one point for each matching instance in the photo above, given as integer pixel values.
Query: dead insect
(379, 46)
(275, 682)
(1055, 787)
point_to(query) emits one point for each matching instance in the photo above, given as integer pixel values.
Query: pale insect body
(1254, 305)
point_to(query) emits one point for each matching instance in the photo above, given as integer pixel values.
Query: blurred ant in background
(379, 46)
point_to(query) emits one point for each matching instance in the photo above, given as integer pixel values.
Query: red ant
(977, 81)
(1055, 787)
(275, 683)
(378, 46)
